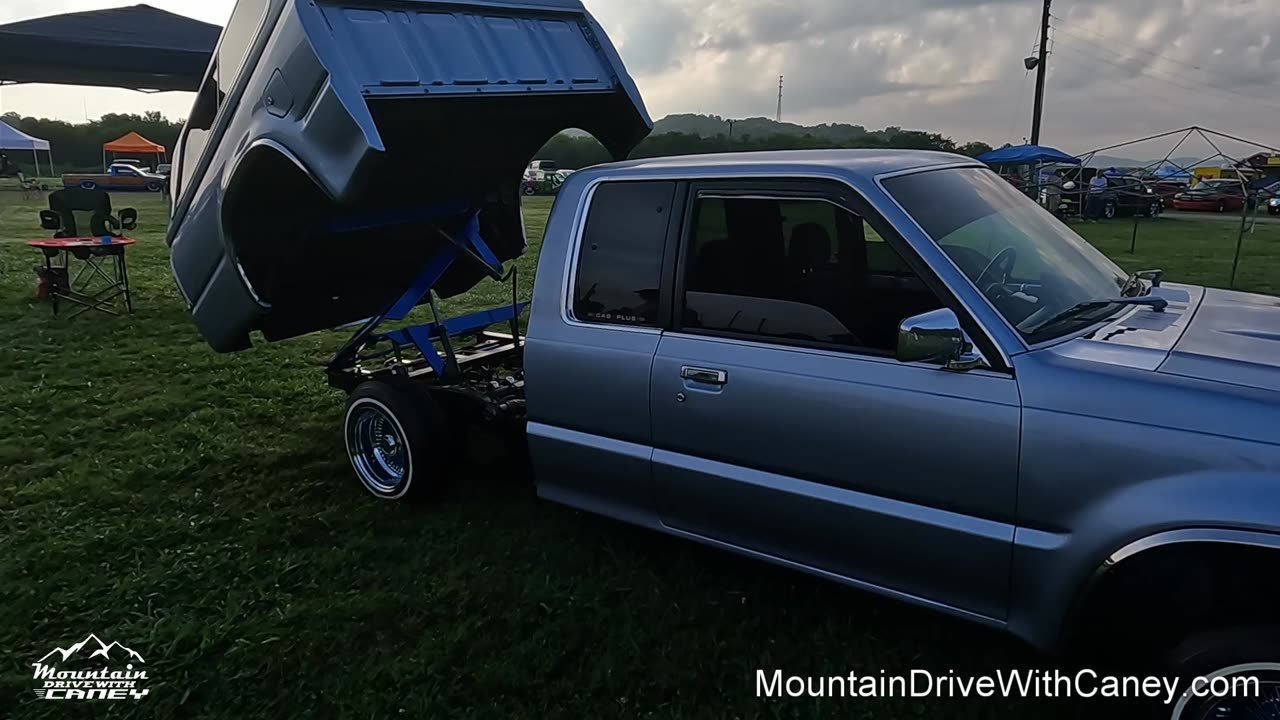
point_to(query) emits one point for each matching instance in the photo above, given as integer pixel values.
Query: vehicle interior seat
(721, 268)
(811, 276)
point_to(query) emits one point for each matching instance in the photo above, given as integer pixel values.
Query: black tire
(88, 185)
(530, 191)
(1154, 210)
(398, 441)
(154, 187)
(1222, 207)
(1109, 210)
(1236, 652)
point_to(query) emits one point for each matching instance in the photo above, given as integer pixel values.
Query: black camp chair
(74, 213)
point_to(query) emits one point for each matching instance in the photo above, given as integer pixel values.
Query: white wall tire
(1252, 652)
(391, 432)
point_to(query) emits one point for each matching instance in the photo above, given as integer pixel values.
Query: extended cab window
(237, 39)
(620, 256)
(233, 49)
(797, 270)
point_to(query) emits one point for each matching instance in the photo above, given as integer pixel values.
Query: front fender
(1053, 571)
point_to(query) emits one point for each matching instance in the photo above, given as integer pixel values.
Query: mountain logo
(90, 670)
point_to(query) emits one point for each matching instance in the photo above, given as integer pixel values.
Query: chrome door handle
(705, 376)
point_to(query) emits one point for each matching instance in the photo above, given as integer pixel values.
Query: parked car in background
(1212, 196)
(134, 163)
(118, 177)
(538, 170)
(549, 184)
(1125, 196)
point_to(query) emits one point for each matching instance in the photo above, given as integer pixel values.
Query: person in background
(1093, 204)
(1050, 190)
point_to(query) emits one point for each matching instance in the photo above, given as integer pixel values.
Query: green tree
(77, 147)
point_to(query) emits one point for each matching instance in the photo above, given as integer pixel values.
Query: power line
(1159, 76)
(1095, 64)
(1131, 46)
(1176, 80)
(1020, 92)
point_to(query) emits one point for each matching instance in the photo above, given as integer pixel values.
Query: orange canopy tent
(134, 144)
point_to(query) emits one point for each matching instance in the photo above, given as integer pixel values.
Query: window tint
(796, 269)
(620, 259)
(238, 38)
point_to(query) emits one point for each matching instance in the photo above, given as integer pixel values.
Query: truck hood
(1233, 337)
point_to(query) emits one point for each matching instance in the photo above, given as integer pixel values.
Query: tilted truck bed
(334, 140)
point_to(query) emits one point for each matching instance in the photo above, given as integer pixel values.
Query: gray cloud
(1119, 68)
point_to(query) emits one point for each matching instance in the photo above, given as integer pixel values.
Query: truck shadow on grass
(703, 612)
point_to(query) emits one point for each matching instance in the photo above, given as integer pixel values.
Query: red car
(1212, 196)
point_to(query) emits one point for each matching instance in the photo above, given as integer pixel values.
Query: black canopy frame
(137, 47)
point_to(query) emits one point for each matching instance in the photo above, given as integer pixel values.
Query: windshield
(1027, 262)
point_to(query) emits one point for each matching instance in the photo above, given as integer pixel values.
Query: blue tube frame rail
(423, 337)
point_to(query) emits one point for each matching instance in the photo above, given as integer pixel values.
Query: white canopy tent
(13, 139)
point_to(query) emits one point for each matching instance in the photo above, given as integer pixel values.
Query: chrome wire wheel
(1260, 701)
(378, 447)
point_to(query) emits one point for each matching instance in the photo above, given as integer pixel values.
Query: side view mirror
(1152, 276)
(936, 337)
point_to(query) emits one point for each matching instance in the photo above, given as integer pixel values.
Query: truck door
(784, 426)
(588, 360)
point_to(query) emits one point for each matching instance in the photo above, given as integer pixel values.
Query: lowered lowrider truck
(889, 369)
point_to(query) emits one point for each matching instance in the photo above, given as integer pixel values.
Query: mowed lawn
(199, 509)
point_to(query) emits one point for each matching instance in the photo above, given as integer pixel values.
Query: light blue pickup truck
(889, 369)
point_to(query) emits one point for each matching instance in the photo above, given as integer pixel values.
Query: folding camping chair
(76, 212)
(104, 275)
(29, 186)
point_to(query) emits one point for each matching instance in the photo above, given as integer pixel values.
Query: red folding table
(100, 281)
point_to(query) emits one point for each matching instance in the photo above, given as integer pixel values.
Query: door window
(796, 270)
(620, 254)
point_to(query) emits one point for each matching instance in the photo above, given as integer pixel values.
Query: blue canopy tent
(14, 139)
(1171, 172)
(1027, 155)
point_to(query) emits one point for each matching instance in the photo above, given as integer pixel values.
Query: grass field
(199, 508)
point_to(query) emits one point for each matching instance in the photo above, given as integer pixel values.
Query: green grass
(199, 508)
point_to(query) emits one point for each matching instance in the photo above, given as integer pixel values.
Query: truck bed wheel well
(1148, 603)
(265, 211)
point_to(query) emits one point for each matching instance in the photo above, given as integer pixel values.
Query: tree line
(77, 147)
(578, 151)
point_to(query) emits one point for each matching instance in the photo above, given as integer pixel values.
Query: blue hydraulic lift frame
(467, 244)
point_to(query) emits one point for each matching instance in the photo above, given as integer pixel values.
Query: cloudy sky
(1119, 68)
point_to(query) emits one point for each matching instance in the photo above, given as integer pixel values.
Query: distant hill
(708, 126)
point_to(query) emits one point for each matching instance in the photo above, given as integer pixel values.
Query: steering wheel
(1005, 261)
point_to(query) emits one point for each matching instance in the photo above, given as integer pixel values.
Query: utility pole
(1042, 68)
(779, 117)
(731, 122)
